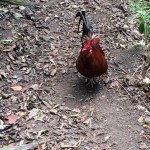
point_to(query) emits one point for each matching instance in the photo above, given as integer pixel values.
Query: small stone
(74, 6)
(141, 120)
(139, 107)
(143, 146)
(147, 120)
(107, 138)
(126, 27)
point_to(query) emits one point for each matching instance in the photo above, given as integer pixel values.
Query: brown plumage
(91, 61)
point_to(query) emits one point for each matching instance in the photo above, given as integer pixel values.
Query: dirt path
(43, 63)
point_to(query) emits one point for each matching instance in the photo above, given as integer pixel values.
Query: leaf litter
(38, 51)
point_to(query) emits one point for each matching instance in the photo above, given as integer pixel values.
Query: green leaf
(141, 12)
(146, 29)
(6, 41)
(134, 16)
(141, 28)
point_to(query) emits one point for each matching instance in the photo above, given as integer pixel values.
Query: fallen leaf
(75, 115)
(17, 88)
(65, 117)
(146, 137)
(21, 113)
(11, 57)
(53, 72)
(40, 147)
(74, 6)
(146, 80)
(37, 114)
(3, 74)
(87, 121)
(115, 84)
(22, 7)
(77, 110)
(143, 146)
(12, 118)
(28, 71)
(1, 125)
(56, 16)
(141, 120)
(83, 117)
(147, 120)
(18, 15)
(123, 46)
(140, 107)
(67, 146)
(9, 48)
(4, 95)
(53, 111)
(34, 86)
(45, 66)
(146, 126)
(6, 41)
(41, 132)
(47, 103)
(107, 137)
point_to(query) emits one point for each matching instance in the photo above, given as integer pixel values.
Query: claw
(90, 82)
(94, 81)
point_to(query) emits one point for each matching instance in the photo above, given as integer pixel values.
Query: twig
(120, 68)
(97, 2)
(136, 70)
(125, 90)
(79, 142)
(69, 97)
(147, 148)
(141, 100)
(145, 105)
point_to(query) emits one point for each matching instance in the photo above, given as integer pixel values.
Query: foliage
(141, 8)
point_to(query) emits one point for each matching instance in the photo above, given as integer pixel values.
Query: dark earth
(44, 102)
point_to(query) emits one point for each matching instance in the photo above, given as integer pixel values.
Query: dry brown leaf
(22, 7)
(115, 84)
(53, 111)
(83, 117)
(34, 86)
(65, 117)
(2, 124)
(4, 95)
(21, 113)
(12, 118)
(53, 72)
(3, 74)
(75, 115)
(40, 147)
(77, 110)
(17, 88)
(141, 120)
(66, 146)
(10, 56)
(45, 66)
(36, 114)
(147, 126)
(146, 80)
(9, 48)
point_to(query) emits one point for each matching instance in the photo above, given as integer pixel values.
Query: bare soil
(54, 104)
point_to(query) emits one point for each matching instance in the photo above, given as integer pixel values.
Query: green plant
(141, 10)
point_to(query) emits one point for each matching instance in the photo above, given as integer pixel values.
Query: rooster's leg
(91, 81)
(101, 82)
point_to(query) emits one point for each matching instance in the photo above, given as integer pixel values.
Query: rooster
(91, 61)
